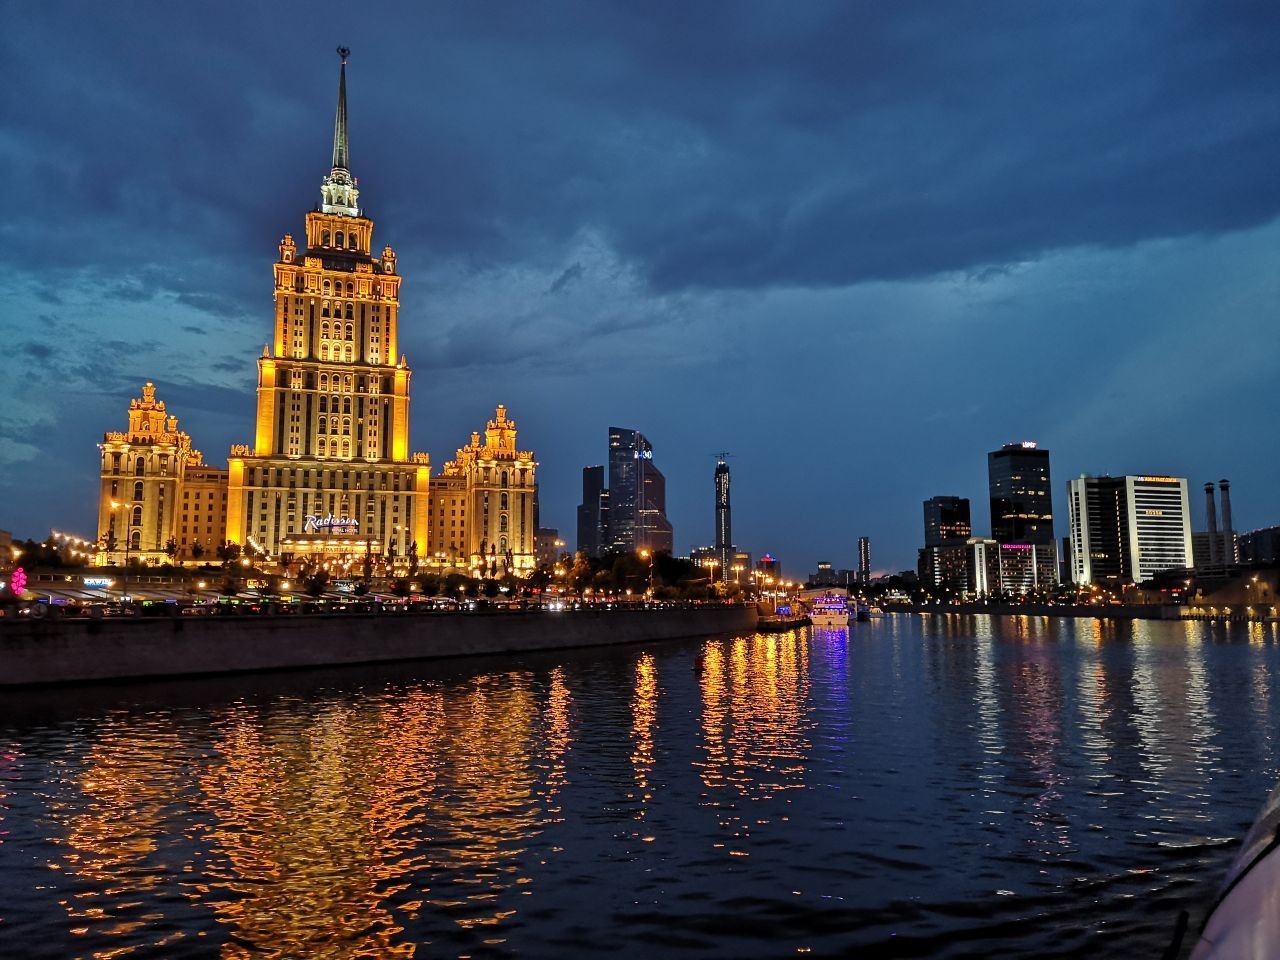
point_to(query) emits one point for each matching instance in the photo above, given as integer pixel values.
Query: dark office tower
(626, 449)
(864, 560)
(593, 516)
(1021, 498)
(946, 520)
(942, 562)
(653, 529)
(724, 533)
(637, 495)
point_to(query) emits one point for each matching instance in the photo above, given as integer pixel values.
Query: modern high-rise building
(1128, 529)
(593, 512)
(947, 528)
(724, 531)
(864, 560)
(637, 495)
(652, 528)
(946, 520)
(1021, 494)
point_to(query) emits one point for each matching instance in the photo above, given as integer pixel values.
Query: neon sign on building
(330, 524)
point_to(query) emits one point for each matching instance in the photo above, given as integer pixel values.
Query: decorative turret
(338, 190)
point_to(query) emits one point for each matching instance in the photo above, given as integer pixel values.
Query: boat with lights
(829, 610)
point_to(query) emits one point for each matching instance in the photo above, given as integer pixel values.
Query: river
(949, 786)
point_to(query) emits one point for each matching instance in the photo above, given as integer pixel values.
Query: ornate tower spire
(340, 118)
(338, 190)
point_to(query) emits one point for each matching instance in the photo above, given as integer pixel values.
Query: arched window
(348, 354)
(346, 448)
(503, 503)
(351, 241)
(333, 401)
(502, 523)
(504, 479)
(351, 289)
(139, 466)
(503, 545)
(346, 404)
(351, 330)
(324, 309)
(324, 238)
(324, 424)
(324, 351)
(350, 315)
(326, 288)
(137, 516)
(346, 425)
(135, 539)
(341, 240)
(324, 404)
(324, 330)
(137, 490)
(347, 382)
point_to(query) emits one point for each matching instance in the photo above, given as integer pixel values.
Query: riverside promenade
(36, 652)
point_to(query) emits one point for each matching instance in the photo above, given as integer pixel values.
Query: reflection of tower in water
(644, 714)
(112, 829)
(321, 821)
(755, 714)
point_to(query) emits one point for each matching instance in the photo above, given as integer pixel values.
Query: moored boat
(829, 610)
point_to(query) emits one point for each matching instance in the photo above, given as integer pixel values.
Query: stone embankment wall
(78, 650)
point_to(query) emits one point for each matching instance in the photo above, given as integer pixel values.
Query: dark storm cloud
(720, 145)
(589, 196)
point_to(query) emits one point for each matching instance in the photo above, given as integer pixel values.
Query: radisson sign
(330, 524)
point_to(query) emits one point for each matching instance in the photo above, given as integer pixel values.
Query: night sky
(858, 245)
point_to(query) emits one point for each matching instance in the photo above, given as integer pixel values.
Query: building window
(341, 239)
(137, 490)
(324, 238)
(139, 467)
(137, 516)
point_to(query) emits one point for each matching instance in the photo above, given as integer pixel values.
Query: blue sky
(855, 244)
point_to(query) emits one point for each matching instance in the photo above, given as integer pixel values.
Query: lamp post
(647, 554)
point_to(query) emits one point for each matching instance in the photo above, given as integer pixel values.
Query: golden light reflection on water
(755, 714)
(321, 831)
(112, 823)
(644, 716)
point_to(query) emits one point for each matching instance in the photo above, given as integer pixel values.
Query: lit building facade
(329, 472)
(482, 505)
(724, 521)
(142, 473)
(202, 512)
(1128, 529)
(1021, 493)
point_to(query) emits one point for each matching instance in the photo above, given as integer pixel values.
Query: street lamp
(647, 554)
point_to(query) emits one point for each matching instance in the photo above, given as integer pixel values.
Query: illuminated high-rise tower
(329, 473)
(724, 520)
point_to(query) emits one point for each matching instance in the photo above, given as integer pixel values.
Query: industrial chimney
(1211, 516)
(1228, 538)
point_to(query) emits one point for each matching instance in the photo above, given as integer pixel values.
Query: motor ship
(829, 610)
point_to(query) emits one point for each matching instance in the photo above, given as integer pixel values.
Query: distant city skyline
(602, 223)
